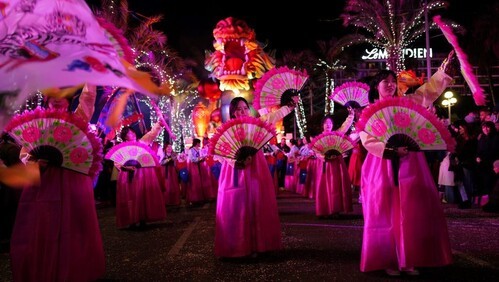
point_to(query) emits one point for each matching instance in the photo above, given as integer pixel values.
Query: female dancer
(404, 224)
(247, 220)
(333, 189)
(170, 177)
(56, 235)
(139, 198)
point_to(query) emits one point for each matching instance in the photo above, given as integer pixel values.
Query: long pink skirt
(140, 199)
(197, 188)
(355, 164)
(247, 218)
(404, 225)
(170, 184)
(56, 235)
(314, 167)
(333, 192)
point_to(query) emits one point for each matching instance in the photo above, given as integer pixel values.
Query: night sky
(189, 25)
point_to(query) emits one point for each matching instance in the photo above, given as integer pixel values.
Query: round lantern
(201, 119)
(209, 90)
(216, 115)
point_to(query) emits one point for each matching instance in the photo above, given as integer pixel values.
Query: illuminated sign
(381, 54)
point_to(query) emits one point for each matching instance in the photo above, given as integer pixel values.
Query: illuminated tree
(166, 67)
(330, 51)
(389, 24)
(300, 60)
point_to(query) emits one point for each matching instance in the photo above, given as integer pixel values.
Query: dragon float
(238, 57)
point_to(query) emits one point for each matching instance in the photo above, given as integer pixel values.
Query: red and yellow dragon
(238, 57)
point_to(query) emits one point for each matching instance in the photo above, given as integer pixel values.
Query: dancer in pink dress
(139, 197)
(56, 235)
(169, 176)
(198, 188)
(247, 219)
(333, 193)
(404, 223)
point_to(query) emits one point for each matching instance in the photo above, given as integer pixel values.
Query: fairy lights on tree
(301, 119)
(329, 70)
(389, 24)
(164, 65)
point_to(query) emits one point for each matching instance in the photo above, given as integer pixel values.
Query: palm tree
(328, 66)
(389, 24)
(166, 67)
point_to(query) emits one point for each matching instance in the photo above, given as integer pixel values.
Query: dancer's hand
(402, 151)
(450, 64)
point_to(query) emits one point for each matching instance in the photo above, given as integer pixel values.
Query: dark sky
(189, 24)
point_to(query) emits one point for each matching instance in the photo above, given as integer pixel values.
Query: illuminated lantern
(209, 90)
(201, 118)
(216, 116)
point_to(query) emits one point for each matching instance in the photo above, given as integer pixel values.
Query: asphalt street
(181, 249)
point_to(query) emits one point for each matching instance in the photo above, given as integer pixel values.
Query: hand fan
(353, 94)
(466, 68)
(238, 134)
(133, 151)
(277, 86)
(330, 144)
(401, 122)
(60, 137)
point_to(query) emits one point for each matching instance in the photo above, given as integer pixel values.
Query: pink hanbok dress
(139, 198)
(247, 218)
(290, 179)
(404, 224)
(333, 192)
(56, 235)
(170, 181)
(355, 164)
(139, 194)
(56, 223)
(301, 167)
(314, 166)
(198, 189)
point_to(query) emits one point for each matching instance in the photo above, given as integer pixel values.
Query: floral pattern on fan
(427, 136)
(61, 131)
(78, 155)
(133, 150)
(352, 91)
(331, 141)
(269, 89)
(379, 127)
(403, 117)
(31, 134)
(402, 120)
(278, 83)
(62, 134)
(238, 133)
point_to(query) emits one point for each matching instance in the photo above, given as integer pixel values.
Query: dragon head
(237, 57)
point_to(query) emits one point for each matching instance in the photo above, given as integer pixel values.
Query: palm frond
(390, 24)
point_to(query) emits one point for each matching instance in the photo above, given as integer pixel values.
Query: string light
(301, 119)
(393, 34)
(329, 70)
